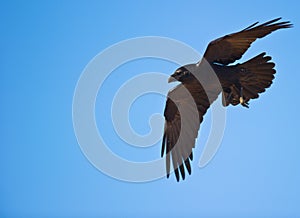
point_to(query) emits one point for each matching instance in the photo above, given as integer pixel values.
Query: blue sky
(44, 48)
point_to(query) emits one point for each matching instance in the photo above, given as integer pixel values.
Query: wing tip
(177, 174)
(182, 171)
(249, 27)
(163, 145)
(188, 166)
(284, 24)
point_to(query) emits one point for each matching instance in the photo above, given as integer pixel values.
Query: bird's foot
(245, 104)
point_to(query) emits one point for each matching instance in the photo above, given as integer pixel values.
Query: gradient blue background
(44, 48)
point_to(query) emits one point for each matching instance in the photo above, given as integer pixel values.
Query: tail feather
(254, 76)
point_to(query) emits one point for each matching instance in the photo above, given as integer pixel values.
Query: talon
(245, 104)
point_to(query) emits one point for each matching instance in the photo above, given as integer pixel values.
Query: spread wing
(183, 114)
(228, 49)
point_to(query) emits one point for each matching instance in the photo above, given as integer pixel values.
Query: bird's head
(180, 75)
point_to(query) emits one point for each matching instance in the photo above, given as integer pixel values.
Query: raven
(188, 102)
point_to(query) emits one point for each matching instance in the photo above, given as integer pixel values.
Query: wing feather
(181, 130)
(229, 48)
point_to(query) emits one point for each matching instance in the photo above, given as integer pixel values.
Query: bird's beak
(171, 79)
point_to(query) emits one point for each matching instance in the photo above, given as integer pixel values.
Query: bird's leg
(242, 100)
(229, 96)
(241, 96)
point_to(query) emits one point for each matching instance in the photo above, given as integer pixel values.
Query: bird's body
(202, 82)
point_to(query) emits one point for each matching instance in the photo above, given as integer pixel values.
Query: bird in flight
(201, 83)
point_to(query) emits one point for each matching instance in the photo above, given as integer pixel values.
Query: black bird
(188, 102)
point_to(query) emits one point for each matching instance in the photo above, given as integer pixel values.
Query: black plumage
(188, 102)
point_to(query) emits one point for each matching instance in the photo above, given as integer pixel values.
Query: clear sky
(44, 48)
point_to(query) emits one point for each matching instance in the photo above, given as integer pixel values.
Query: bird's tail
(254, 76)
